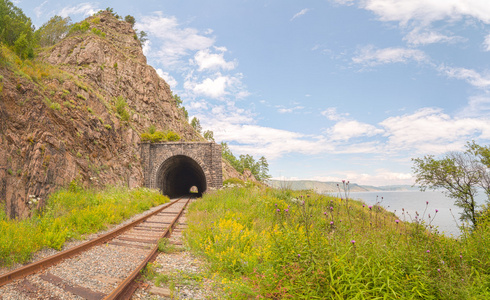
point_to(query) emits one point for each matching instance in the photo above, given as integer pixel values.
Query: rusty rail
(54, 259)
(126, 288)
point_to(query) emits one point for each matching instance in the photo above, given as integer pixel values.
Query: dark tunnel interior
(178, 174)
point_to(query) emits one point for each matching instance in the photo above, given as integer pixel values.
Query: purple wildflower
(353, 242)
(428, 251)
(397, 221)
(278, 210)
(331, 222)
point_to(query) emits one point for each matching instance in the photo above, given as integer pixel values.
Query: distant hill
(331, 187)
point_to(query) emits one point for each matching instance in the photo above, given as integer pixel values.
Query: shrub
(79, 27)
(55, 106)
(172, 136)
(108, 127)
(121, 108)
(233, 181)
(159, 136)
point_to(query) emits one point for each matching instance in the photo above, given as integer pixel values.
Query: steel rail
(54, 259)
(127, 287)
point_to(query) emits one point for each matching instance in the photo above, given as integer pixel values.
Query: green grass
(279, 244)
(70, 214)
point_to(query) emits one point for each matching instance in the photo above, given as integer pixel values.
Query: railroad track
(102, 268)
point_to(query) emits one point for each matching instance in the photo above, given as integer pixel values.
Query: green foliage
(260, 169)
(23, 48)
(98, 32)
(81, 27)
(154, 136)
(55, 106)
(196, 124)
(233, 182)
(165, 246)
(80, 96)
(208, 135)
(172, 136)
(107, 126)
(121, 108)
(16, 29)
(53, 31)
(142, 37)
(152, 129)
(460, 174)
(70, 214)
(281, 244)
(130, 19)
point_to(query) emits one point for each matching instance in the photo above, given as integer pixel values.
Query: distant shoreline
(333, 187)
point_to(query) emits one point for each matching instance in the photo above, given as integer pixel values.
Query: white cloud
(345, 130)
(212, 61)
(283, 110)
(429, 130)
(302, 12)
(486, 43)
(85, 9)
(332, 114)
(371, 56)
(216, 87)
(380, 175)
(198, 105)
(478, 106)
(168, 78)
(39, 9)
(175, 42)
(423, 37)
(428, 11)
(471, 76)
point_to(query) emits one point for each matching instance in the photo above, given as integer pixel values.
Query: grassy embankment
(279, 244)
(70, 214)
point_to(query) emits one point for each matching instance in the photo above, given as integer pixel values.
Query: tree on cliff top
(16, 29)
(460, 174)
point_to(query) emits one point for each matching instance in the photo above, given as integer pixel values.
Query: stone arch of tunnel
(178, 174)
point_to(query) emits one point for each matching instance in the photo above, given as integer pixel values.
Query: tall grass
(276, 244)
(70, 214)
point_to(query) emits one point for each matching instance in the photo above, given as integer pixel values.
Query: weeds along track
(102, 268)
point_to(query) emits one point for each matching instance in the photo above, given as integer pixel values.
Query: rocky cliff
(76, 114)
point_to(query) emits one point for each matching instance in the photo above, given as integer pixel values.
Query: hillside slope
(76, 113)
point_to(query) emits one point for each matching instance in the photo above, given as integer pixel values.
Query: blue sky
(325, 90)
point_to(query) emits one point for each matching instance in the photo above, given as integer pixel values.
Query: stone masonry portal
(177, 167)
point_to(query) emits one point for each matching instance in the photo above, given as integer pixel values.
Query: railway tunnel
(178, 175)
(179, 168)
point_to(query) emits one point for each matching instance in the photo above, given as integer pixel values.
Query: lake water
(413, 201)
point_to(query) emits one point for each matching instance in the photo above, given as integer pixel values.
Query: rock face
(78, 116)
(229, 172)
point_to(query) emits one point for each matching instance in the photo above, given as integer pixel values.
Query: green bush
(79, 27)
(121, 108)
(155, 136)
(55, 106)
(172, 136)
(233, 181)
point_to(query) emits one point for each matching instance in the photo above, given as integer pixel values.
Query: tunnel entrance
(178, 175)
